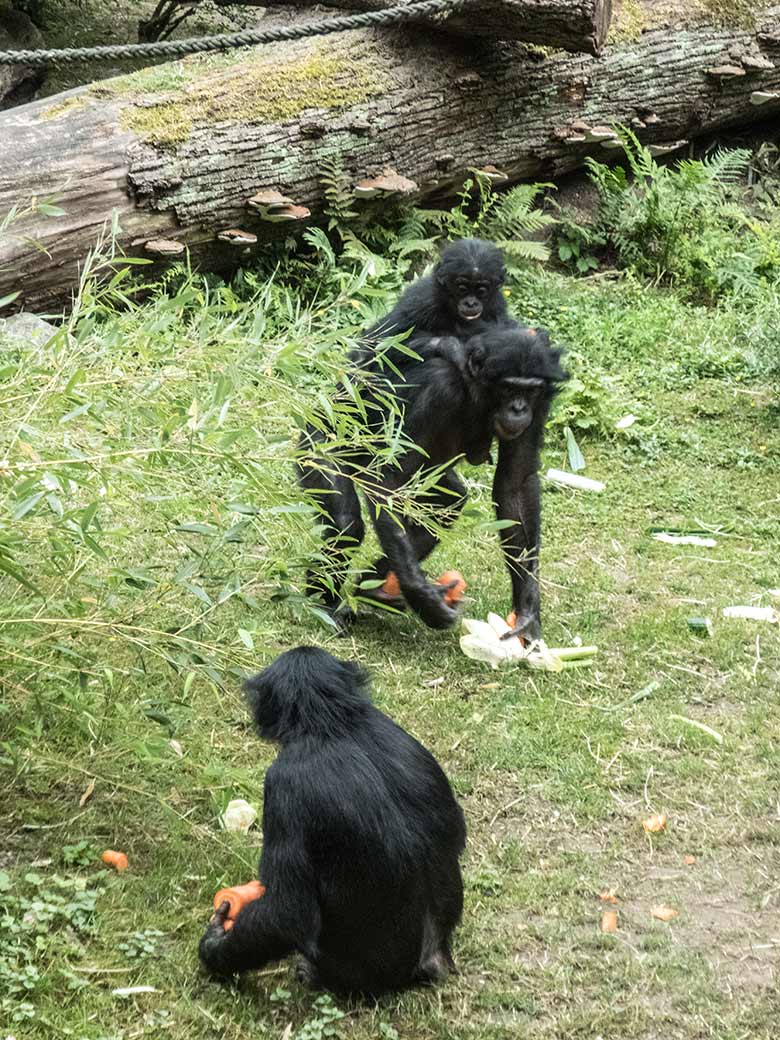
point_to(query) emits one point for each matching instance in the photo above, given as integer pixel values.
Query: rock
(27, 329)
(18, 83)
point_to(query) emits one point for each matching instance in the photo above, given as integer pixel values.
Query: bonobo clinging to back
(361, 840)
(461, 296)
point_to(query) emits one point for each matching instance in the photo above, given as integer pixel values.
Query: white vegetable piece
(625, 423)
(481, 641)
(481, 650)
(684, 539)
(753, 614)
(574, 480)
(239, 816)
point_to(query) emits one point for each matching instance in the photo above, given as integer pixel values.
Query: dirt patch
(728, 912)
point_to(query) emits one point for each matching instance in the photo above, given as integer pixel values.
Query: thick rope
(226, 41)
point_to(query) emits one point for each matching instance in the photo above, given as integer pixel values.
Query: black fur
(459, 397)
(468, 276)
(361, 839)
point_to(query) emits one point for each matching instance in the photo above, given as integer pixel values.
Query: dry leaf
(664, 913)
(609, 921)
(87, 793)
(655, 824)
(176, 748)
(689, 861)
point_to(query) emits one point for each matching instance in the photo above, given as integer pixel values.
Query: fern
(337, 188)
(670, 222)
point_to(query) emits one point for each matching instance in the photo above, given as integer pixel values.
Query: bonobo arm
(287, 916)
(516, 497)
(425, 598)
(262, 932)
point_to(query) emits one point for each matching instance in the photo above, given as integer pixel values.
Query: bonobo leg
(445, 911)
(344, 530)
(406, 544)
(447, 504)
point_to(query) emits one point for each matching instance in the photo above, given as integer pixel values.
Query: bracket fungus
(237, 237)
(726, 71)
(666, 147)
(387, 183)
(276, 208)
(493, 174)
(764, 97)
(164, 247)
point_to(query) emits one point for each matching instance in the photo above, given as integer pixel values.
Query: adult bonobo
(361, 839)
(458, 398)
(459, 298)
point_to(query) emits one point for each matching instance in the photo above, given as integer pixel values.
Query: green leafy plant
(506, 218)
(79, 855)
(140, 945)
(679, 224)
(322, 1022)
(40, 920)
(578, 246)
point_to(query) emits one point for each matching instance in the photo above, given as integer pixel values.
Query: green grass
(170, 545)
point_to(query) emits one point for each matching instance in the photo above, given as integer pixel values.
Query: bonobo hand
(428, 601)
(527, 626)
(213, 937)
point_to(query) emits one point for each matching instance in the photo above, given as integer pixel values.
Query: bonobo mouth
(469, 315)
(506, 433)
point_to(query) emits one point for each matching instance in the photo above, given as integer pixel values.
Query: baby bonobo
(457, 399)
(361, 840)
(461, 297)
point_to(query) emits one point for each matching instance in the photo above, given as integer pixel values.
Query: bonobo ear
(475, 357)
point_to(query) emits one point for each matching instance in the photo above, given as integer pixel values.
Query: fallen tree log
(177, 151)
(572, 25)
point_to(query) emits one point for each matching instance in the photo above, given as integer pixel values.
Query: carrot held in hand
(237, 897)
(455, 594)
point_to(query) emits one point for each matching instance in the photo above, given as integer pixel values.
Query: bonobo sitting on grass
(361, 839)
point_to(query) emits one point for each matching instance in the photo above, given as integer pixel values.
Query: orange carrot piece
(455, 594)
(391, 586)
(117, 860)
(609, 921)
(655, 824)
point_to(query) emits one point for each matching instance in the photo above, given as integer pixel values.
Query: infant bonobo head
(306, 692)
(468, 280)
(514, 369)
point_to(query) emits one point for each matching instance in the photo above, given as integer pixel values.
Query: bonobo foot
(306, 973)
(527, 626)
(436, 967)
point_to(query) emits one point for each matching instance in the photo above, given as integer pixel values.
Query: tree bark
(572, 25)
(181, 165)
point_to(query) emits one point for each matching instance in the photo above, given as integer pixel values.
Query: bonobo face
(513, 370)
(515, 408)
(467, 295)
(468, 279)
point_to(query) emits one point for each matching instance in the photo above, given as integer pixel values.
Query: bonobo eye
(482, 291)
(462, 286)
